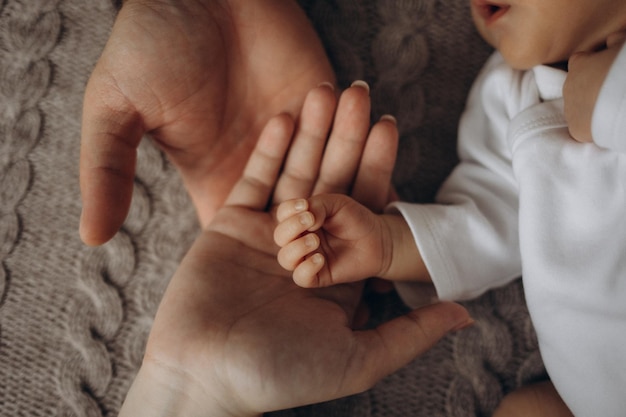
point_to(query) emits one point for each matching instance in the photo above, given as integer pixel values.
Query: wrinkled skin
(202, 77)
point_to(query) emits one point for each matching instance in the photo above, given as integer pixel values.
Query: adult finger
(372, 185)
(346, 142)
(303, 161)
(394, 344)
(111, 132)
(254, 188)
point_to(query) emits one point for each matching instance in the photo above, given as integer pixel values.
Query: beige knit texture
(74, 320)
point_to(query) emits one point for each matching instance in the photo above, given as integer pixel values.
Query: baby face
(533, 32)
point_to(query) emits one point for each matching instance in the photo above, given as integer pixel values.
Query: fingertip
(317, 259)
(85, 234)
(389, 118)
(355, 105)
(300, 205)
(90, 235)
(106, 199)
(288, 208)
(326, 84)
(321, 102)
(361, 84)
(312, 242)
(105, 204)
(293, 226)
(281, 238)
(383, 139)
(305, 275)
(357, 97)
(390, 125)
(95, 230)
(283, 260)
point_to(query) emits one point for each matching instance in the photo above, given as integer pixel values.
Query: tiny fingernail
(317, 259)
(327, 84)
(389, 118)
(362, 84)
(300, 205)
(310, 241)
(306, 219)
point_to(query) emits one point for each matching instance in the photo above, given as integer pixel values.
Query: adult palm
(201, 77)
(234, 336)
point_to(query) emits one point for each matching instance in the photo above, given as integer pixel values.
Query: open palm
(234, 336)
(202, 77)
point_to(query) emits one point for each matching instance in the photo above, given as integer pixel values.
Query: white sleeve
(469, 239)
(608, 125)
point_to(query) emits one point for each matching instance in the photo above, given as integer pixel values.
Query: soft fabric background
(74, 320)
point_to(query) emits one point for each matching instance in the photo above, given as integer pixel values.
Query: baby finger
(293, 227)
(292, 255)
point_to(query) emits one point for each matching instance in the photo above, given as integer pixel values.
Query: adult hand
(586, 74)
(234, 336)
(202, 77)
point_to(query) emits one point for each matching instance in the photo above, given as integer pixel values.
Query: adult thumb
(394, 344)
(111, 132)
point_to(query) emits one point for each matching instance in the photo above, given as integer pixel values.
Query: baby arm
(331, 239)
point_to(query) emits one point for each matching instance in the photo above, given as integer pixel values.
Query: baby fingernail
(310, 241)
(306, 219)
(300, 205)
(317, 259)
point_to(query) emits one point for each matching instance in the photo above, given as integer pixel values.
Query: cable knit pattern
(74, 320)
(27, 34)
(24, 79)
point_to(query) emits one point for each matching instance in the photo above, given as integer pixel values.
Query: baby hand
(330, 239)
(586, 74)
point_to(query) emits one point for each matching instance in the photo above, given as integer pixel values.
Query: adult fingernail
(327, 84)
(362, 84)
(389, 118)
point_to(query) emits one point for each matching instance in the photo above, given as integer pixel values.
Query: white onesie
(527, 200)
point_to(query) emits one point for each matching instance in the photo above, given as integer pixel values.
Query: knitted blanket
(74, 320)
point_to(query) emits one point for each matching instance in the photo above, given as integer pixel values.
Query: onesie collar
(549, 82)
